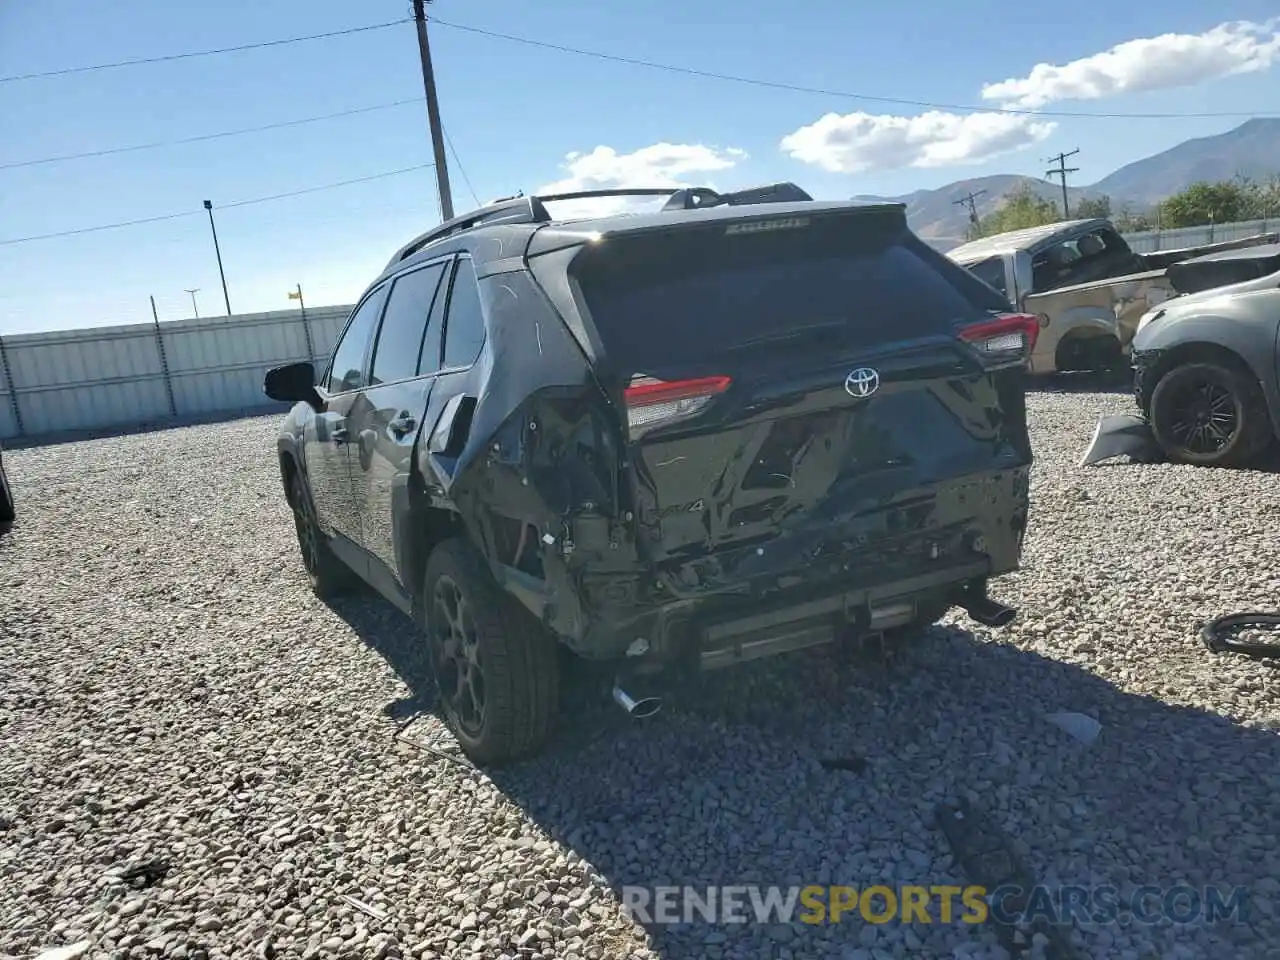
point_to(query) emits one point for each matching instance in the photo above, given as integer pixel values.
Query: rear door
(386, 423)
(328, 437)
(806, 388)
(453, 399)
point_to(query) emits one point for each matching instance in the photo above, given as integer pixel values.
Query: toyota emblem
(862, 382)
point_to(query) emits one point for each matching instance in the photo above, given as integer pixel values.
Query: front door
(386, 423)
(329, 437)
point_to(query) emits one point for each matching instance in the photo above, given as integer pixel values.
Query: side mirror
(292, 383)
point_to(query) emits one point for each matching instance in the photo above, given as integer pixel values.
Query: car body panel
(1116, 291)
(527, 450)
(1243, 319)
(1101, 308)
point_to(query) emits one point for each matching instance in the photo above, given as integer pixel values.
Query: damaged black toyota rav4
(736, 426)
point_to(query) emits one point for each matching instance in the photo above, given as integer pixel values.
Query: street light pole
(194, 307)
(208, 205)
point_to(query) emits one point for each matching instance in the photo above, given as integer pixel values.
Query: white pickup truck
(1084, 282)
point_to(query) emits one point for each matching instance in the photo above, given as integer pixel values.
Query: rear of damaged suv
(795, 422)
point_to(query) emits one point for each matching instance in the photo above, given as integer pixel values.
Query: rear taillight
(652, 403)
(1010, 336)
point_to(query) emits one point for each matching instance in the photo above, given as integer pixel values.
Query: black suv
(736, 426)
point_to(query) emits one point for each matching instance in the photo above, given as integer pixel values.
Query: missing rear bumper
(823, 620)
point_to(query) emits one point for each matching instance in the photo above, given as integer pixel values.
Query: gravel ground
(172, 693)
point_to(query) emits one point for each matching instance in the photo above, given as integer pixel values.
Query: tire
(496, 670)
(1210, 414)
(328, 576)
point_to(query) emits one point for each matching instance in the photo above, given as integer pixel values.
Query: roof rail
(517, 209)
(532, 209)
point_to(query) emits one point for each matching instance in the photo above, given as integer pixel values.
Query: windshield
(990, 271)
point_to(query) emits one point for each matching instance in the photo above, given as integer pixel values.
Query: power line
(65, 71)
(1061, 170)
(797, 88)
(458, 163)
(110, 151)
(969, 201)
(237, 203)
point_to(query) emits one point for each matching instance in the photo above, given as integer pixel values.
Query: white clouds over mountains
(1138, 66)
(857, 142)
(860, 142)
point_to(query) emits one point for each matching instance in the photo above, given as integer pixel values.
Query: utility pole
(1061, 171)
(968, 201)
(296, 294)
(433, 112)
(208, 205)
(194, 307)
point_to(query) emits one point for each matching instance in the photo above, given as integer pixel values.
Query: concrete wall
(120, 377)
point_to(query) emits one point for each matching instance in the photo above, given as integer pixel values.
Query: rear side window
(990, 272)
(464, 322)
(346, 372)
(690, 294)
(401, 337)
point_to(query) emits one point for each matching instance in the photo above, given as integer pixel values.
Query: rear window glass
(690, 294)
(989, 271)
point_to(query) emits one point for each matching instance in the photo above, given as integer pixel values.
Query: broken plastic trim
(652, 403)
(1218, 634)
(1122, 435)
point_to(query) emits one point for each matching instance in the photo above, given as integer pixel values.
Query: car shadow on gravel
(733, 784)
(824, 767)
(1120, 383)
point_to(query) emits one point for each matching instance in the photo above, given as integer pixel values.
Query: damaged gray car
(1206, 372)
(738, 426)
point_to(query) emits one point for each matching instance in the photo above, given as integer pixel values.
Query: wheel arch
(429, 526)
(1195, 351)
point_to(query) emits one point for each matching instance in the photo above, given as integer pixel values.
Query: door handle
(402, 424)
(338, 435)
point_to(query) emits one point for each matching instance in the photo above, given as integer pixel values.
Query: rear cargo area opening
(712, 292)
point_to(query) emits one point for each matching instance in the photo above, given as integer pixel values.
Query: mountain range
(1251, 149)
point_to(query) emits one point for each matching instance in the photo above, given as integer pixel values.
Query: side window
(433, 343)
(464, 326)
(404, 326)
(346, 372)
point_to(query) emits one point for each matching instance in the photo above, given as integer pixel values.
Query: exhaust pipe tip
(641, 708)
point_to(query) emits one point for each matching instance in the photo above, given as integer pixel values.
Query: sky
(519, 116)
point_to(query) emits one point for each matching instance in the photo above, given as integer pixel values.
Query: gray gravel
(171, 692)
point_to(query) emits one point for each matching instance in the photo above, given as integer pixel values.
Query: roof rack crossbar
(613, 192)
(532, 209)
(694, 198)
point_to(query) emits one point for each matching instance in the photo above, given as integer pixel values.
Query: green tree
(1021, 208)
(1127, 220)
(1203, 202)
(1087, 208)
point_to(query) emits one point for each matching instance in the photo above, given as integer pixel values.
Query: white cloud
(857, 142)
(1151, 63)
(657, 165)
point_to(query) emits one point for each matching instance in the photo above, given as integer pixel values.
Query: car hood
(1207, 301)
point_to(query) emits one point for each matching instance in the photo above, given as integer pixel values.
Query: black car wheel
(1210, 414)
(328, 575)
(6, 497)
(496, 670)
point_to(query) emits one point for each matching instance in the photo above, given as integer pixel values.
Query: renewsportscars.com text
(941, 903)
